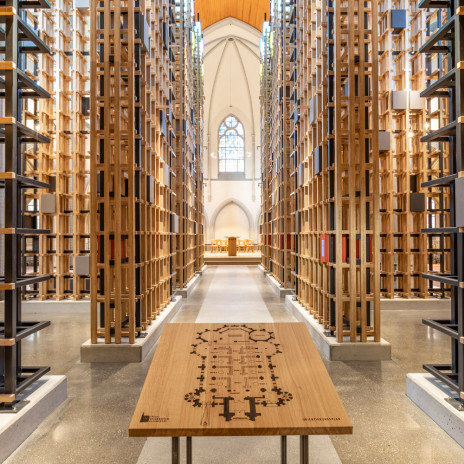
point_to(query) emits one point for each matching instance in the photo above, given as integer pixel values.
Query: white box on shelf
(82, 265)
(48, 203)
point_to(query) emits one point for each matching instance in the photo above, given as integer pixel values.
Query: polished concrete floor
(91, 426)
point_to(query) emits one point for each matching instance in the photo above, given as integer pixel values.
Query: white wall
(232, 86)
(232, 221)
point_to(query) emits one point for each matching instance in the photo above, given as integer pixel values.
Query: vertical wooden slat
(375, 220)
(117, 178)
(108, 209)
(338, 173)
(94, 219)
(364, 126)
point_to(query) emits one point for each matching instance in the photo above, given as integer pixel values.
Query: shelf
(22, 281)
(442, 134)
(444, 326)
(443, 278)
(29, 40)
(24, 329)
(446, 181)
(23, 182)
(444, 373)
(30, 4)
(26, 134)
(445, 33)
(448, 81)
(28, 87)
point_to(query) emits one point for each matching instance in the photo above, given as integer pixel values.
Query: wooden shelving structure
(46, 167)
(185, 132)
(403, 157)
(336, 167)
(280, 145)
(131, 157)
(296, 177)
(304, 263)
(199, 147)
(63, 213)
(163, 220)
(266, 163)
(445, 83)
(80, 150)
(64, 208)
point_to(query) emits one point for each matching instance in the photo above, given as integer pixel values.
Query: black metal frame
(17, 38)
(304, 450)
(449, 40)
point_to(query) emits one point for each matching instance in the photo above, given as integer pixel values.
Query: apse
(232, 221)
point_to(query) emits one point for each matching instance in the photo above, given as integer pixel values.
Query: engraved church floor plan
(237, 375)
(234, 379)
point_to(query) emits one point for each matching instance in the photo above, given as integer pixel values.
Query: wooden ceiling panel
(249, 11)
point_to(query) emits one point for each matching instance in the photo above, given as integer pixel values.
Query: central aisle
(235, 295)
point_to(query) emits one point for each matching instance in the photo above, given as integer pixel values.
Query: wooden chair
(214, 246)
(250, 246)
(224, 245)
(241, 245)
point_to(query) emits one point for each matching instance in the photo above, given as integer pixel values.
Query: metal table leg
(304, 450)
(283, 449)
(175, 450)
(189, 450)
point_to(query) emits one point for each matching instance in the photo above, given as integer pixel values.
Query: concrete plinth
(70, 306)
(263, 270)
(190, 287)
(124, 352)
(387, 304)
(430, 395)
(333, 350)
(42, 398)
(203, 269)
(280, 291)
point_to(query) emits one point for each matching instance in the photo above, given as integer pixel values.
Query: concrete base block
(70, 306)
(190, 287)
(280, 291)
(430, 395)
(203, 269)
(263, 270)
(124, 352)
(330, 348)
(42, 399)
(387, 304)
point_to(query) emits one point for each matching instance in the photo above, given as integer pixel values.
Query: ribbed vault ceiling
(249, 11)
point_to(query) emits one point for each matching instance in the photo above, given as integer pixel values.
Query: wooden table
(232, 246)
(238, 379)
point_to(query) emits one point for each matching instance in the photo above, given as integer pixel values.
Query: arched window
(231, 146)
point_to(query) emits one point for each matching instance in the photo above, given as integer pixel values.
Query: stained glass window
(231, 146)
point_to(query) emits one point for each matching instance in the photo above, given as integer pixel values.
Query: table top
(238, 379)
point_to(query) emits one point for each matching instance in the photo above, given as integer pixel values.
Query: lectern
(232, 245)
